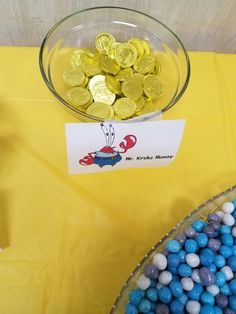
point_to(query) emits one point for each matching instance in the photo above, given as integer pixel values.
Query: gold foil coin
(113, 84)
(144, 65)
(124, 74)
(152, 86)
(137, 43)
(100, 110)
(124, 108)
(132, 88)
(77, 58)
(111, 51)
(92, 69)
(148, 107)
(73, 77)
(147, 48)
(103, 41)
(78, 96)
(95, 79)
(140, 103)
(109, 65)
(126, 54)
(101, 93)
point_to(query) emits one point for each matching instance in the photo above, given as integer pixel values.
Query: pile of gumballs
(196, 272)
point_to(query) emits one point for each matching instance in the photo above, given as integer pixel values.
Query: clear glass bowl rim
(151, 115)
(197, 210)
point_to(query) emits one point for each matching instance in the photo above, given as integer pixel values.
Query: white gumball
(220, 214)
(187, 284)
(160, 261)
(195, 276)
(165, 278)
(228, 207)
(233, 232)
(228, 272)
(143, 282)
(193, 307)
(213, 289)
(228, 220)
(192, 260)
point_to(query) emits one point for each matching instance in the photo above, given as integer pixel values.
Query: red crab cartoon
(108, 155)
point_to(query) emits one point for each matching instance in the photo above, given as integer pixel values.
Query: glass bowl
(80, 30)
(210, 206)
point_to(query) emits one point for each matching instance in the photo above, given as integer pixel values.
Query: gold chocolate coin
(124, 74)
(137, 43)
(152, 86)
(112, 114)
(103, 41)
(73, 77)
(100, 110)
(140, 102)
(109, 65)
(132, 88)
(101, 93)
(111, 51)
(113, 84)
(92, 53)
(91, 69)
(148, 107)
(77, 58)
(94, 80)
(78, 96)
(147, 48)
(126, 54)
(139, 76)
(124, 108)
(85, 82)
(144, 65)
(88, 103)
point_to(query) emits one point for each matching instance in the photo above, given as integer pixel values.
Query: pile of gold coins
(115, 81)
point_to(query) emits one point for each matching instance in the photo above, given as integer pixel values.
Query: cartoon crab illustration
(108, 155)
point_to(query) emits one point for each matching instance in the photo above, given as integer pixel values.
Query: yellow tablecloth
(71, 241)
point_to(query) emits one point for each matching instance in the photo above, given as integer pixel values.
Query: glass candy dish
(202, 212)
(80, 29)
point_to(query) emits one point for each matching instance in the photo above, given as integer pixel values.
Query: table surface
(71, 241)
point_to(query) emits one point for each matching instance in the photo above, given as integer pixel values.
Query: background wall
(201, 24)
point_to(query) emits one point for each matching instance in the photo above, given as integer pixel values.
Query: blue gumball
(207, 309)
(176, 307)
(136, 296)
(144, 306)
(232, 303)
(130, 309)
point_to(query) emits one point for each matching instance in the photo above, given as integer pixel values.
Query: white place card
(95, 147)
